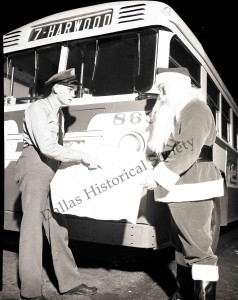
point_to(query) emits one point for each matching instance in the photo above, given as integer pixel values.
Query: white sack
(111, 193)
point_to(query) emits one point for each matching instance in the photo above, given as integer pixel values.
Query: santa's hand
(149, 183)
(153, 158)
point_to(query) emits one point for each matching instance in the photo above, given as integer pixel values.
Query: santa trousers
(191, 235)
(33, 177)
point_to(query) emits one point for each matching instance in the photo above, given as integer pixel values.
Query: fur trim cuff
(205, 272)
(164, 176)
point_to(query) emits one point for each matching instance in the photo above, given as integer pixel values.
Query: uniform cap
(66, 77)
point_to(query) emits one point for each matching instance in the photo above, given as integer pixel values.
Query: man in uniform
(187, 179)
(43, 150)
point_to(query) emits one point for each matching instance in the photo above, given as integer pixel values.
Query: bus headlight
(132, 141)
(166, 11)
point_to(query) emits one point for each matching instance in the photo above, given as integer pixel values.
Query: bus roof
(94, 21)
(103, 19)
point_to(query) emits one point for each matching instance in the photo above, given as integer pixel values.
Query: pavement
(122, 273)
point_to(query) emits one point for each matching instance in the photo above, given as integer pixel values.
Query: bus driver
(43, 150)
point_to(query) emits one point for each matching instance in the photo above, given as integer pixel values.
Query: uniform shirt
(41, 130)
(180, 176)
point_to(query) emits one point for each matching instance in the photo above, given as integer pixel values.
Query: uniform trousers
(33, 177)
(191, 235)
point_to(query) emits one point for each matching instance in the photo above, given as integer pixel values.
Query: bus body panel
(110, 232)
(151, 230)
(110, 119)
(232, 184)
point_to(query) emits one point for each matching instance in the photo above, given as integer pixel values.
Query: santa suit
(189, 184)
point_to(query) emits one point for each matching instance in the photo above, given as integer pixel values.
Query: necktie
(60, 127)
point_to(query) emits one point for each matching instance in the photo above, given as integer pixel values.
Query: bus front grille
(11, 39)
(132, 13)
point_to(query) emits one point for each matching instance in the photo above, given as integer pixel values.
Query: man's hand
(70, 144)
(90, 161)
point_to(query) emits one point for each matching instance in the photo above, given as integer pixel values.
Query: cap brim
(69, 83)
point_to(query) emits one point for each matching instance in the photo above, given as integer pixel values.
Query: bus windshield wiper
(146, 95)
(95, 59)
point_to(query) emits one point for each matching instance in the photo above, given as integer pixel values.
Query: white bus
(115, 49)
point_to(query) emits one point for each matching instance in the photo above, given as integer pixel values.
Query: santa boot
(205, 278)
(204, 290)
(184, 284)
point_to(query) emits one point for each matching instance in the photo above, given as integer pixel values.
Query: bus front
(115, 49)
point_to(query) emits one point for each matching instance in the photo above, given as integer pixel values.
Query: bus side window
(213, 99)
(25, 74)
(235, 131)
(225, 120)
(19, 76)
(180, 56)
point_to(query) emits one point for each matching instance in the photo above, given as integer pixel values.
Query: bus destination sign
(85, 22)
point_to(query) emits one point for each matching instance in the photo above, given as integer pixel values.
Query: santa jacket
(180, 176)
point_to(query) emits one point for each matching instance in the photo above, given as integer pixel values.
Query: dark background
(214, 23)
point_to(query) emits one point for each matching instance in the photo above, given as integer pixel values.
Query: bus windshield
(115, 64)
(109, 65)
(25, 73)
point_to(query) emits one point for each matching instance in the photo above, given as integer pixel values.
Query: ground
(122, 273)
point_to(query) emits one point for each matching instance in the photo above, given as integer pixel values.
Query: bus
(115, 49)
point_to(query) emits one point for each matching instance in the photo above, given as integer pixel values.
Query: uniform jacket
(41, 129)
(180, 176)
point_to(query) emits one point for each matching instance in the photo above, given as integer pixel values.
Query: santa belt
(206, 154)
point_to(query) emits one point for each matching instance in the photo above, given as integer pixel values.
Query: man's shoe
(34, 298)
(82, 289)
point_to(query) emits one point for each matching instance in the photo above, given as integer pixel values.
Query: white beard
(163, 126)
(166, 112)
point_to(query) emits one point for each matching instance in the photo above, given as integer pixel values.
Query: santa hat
(179, 75)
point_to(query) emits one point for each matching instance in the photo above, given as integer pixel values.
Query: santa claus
(185, 177)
